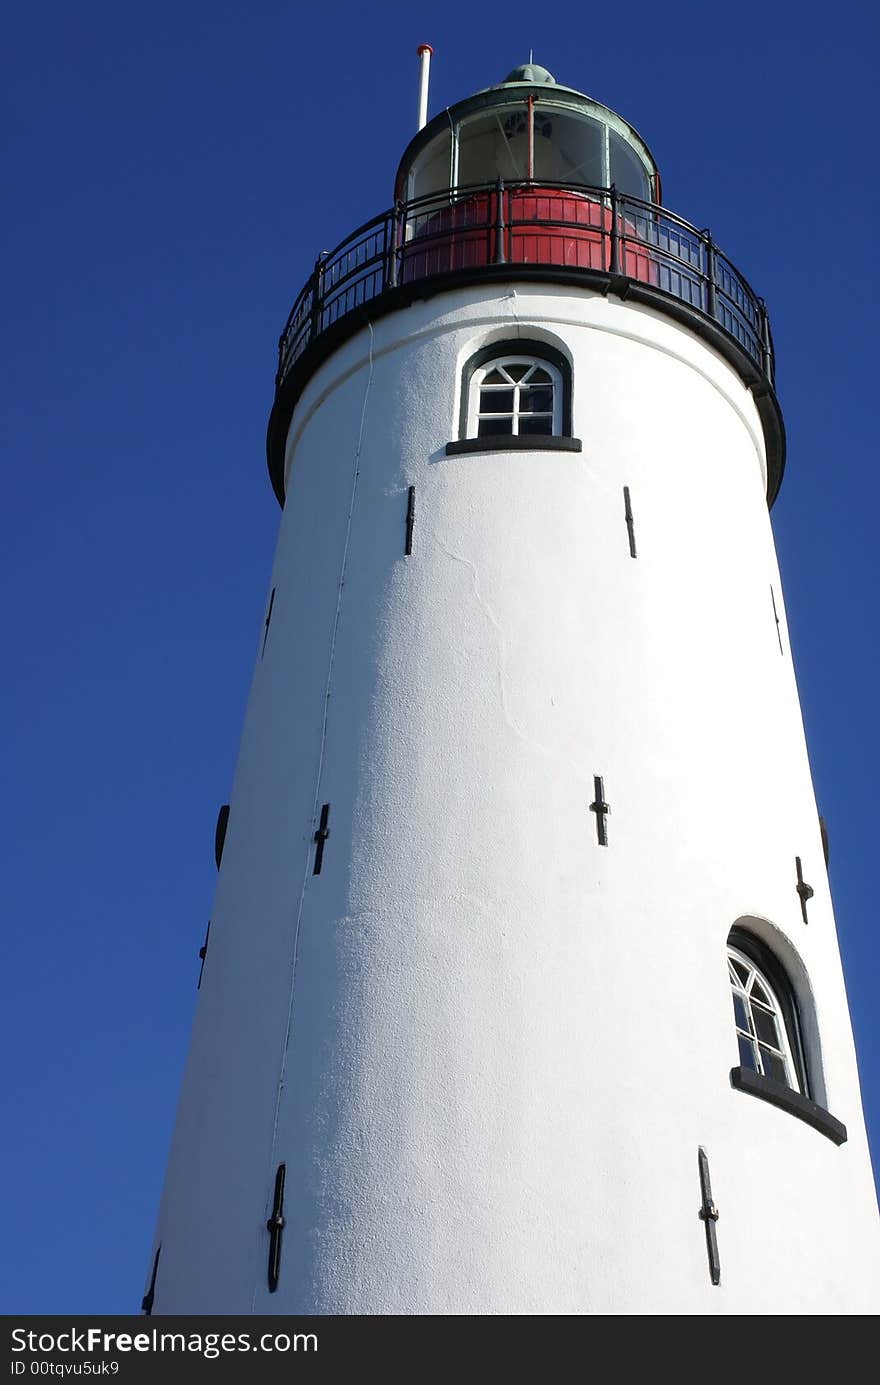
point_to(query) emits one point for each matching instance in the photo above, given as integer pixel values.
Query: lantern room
(528, 129)
(527, 181)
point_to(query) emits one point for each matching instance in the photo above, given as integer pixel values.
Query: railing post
(615, 235)
(710, 275)
(392, 266)
(317, 292)
(500, 257)
(766, 343)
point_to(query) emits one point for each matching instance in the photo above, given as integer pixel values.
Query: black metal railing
(546, 224)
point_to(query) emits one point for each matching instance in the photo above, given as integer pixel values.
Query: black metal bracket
(220, 833)
(266, 625)
(147, 1300)
(601, 809)
(804, 890)
(275, 1226)
(776, 618)
(826, 849)
(630, 525)
(410, 520)
(709, 1215)
(320, 838)
(203, 952)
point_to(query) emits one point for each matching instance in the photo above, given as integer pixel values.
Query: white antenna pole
(424, 51)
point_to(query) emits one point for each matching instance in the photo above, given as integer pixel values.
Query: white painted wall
(486, 1047)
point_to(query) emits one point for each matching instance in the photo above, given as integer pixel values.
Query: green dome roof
(530, 72)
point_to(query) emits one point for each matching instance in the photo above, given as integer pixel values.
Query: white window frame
(499, 363)
(744, 991)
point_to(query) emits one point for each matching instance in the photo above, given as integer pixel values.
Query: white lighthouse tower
(522, 993)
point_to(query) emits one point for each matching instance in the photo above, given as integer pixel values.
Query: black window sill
(528, 442)
(789, 1100)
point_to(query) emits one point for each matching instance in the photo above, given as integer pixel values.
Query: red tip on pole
(424, 48)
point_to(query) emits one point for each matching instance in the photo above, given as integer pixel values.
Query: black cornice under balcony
(524, 232)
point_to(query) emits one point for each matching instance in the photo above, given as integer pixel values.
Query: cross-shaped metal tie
(149, 1296)
(709, 1216)
(630, 523)
(203, 952)
(776, 618)
(804, 890)
(601, 809)
(267, 622)
(321, 835)
(275, 1226)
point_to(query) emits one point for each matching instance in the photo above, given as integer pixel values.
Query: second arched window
(765, 1046)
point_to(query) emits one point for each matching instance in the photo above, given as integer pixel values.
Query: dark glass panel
(758, 992)
(516, 372)
(496, 401)
(747, 1054)
(539, 376)
(536, 401)
(739, 1012)
(765, 1026)
(774, 1066)
(569, 148)
(493, 146)
(536, 423)
(491, 427)
(627, 170)
(495, 377)
(741, 971)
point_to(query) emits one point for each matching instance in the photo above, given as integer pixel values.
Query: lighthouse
(522, 992)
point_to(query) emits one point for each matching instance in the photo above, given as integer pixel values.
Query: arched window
(516, 395)
(768, 1030)
(764, 1043)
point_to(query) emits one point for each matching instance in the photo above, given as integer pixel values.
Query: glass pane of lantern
(493, 146)
(627, 170)
(432, 169)
(568, 148)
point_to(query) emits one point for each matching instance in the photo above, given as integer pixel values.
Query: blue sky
(171, 172)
